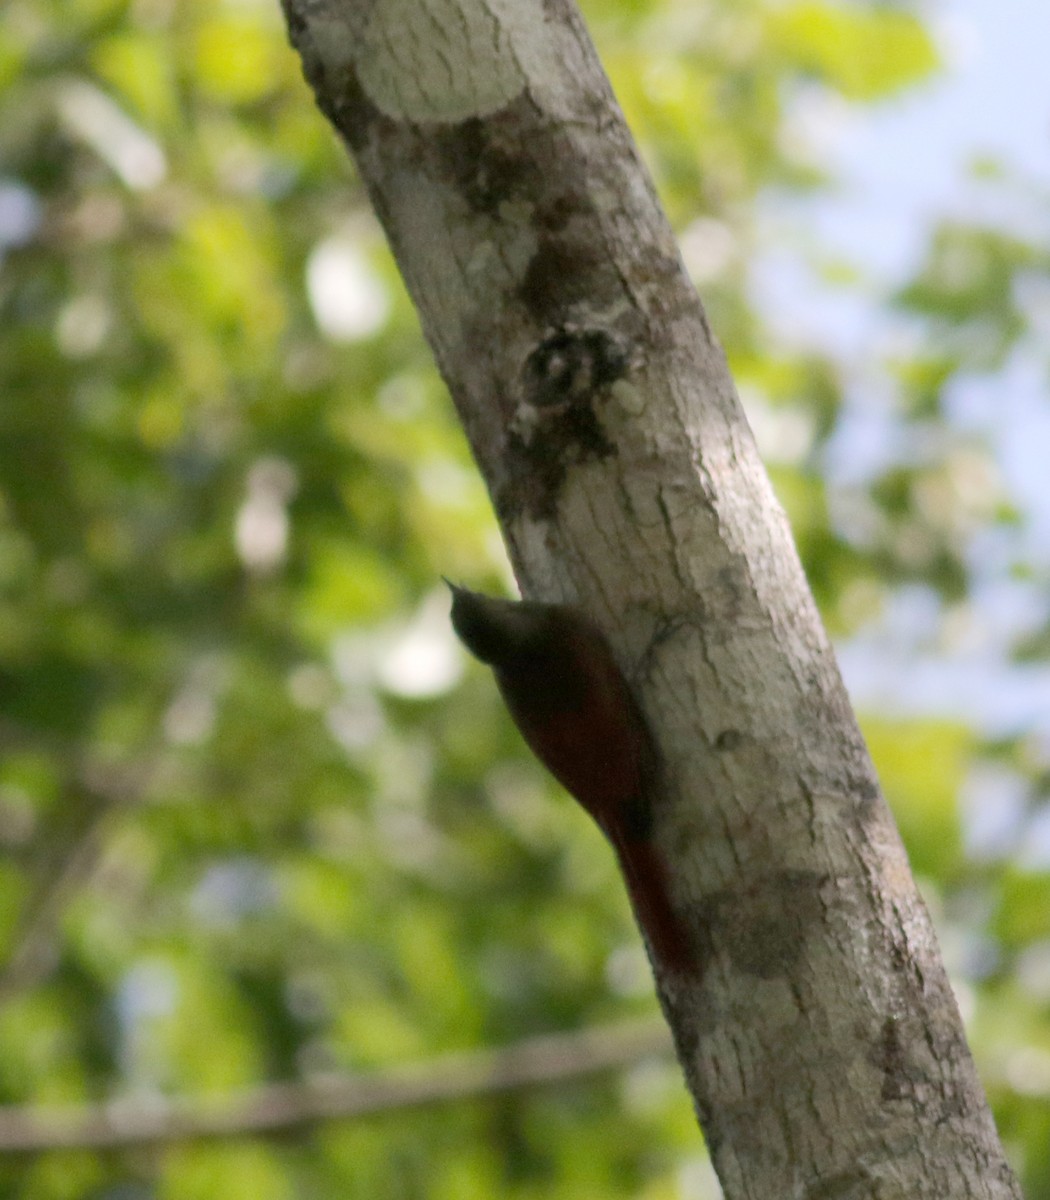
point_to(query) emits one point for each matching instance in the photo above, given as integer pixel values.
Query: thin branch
(33, 954)
(113, 789)
(283, 1106)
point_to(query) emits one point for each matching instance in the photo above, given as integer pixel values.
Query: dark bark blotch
(844, 1186)
(571, 366)
(354, 114)
(565, 272)
(483, 161)
(538, 461)
(892, 1061)
(763, 931)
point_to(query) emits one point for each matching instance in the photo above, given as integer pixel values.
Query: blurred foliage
(283, 827)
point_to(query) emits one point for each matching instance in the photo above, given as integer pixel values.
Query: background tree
(240, 780)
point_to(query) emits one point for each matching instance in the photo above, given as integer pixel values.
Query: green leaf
(866, 53)
(922, 765)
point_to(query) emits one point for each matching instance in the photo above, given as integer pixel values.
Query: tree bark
(818, 1034)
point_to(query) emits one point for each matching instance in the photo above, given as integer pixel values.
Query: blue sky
(903, 166)
(906, 162)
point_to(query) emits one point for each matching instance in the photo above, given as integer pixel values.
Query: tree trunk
(818, 1032)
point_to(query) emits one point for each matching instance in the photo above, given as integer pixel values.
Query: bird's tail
(648, 886)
